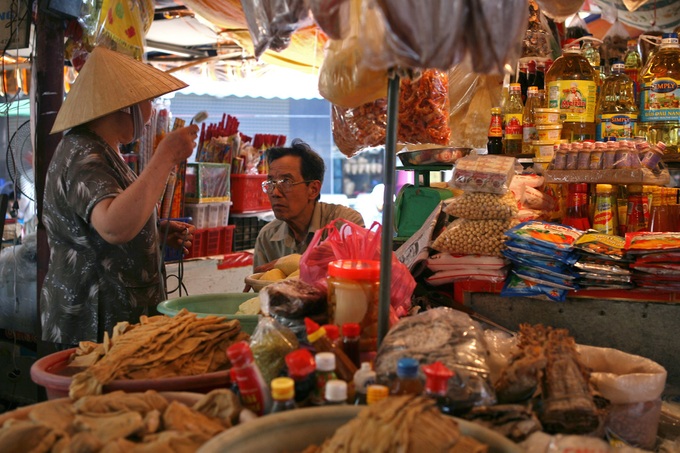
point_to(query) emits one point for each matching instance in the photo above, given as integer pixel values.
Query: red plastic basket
(219, 240)
(247, 194)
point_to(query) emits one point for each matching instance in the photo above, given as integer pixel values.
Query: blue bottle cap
(407, 367)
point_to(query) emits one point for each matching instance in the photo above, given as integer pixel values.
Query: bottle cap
(376, 392)
(239, 354)
(532, 90)
(437, 377)
(325, 361)
(407, 367)
(363, 270)
(641, 146)
(300, 363)
(351, 329)
(283, 388)
(603, 188)
(314, 330)
(332, 331)
(495, 110)
(336, 391)
(661, 146)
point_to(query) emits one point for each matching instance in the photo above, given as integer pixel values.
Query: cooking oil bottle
(660, 95)
(617, 113)
(572, 87)
(633, 62)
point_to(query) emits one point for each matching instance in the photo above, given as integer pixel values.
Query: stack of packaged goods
(655, 260)
(471, 246)
(602, 263)
(542, 256)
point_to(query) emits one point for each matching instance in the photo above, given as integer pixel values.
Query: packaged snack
(483, 206)
(546, 234)
(601, 245)
(485, 173)
(641, 243)
(531, 249)
(517, 286)
(544, 278)
(483, 237)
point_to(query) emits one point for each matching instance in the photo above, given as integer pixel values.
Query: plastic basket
(247, 194)
(246, 231)
(219, 240)
(206, 182)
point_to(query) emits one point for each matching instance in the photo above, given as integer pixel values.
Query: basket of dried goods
(181, 353)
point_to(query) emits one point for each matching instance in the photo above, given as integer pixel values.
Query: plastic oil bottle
(571, 83)
(513, 121)
(617, 114)
(633, 63)
(660, 95)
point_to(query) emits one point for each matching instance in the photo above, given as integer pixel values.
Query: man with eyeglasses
(294, 189)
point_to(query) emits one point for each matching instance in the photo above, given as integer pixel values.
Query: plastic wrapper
(426, 34)
(483, 206)
(481, 237)
(561, 9)
(485, 173)
(515, 286)
(540, 277)
(535, 199)
(633, 385)
(538, 41)
(494, 32)
(446, 335)
(643, 242)
(471, 273)
(528, 248)
(545, 234)
(548, 266)
(447, 262)
(540, 442)
(424, 109)
(123, 25)
(577, 27)
(272, 22)
(615, 43)
(355, 129)
(342, 239)
(603, 246)
(344, 79)
(81, 34)
(270, 343)
(332, 16)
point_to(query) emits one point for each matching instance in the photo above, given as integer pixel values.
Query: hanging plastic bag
(494, 32)
(270, 343)
(346, 240)
(355, 129)
(559, 10)
(408, 34)
(271, 23)
(615, 43)
(424, 109)
(577, 28)
(344, 80)
(332, 16)
(538, 39)
(123, 25)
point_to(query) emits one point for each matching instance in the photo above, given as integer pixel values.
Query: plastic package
(344, 79)
(445, 335)
(333, 16)
(424, 109)
(483, 206)
(270, 343)
(545, 234)
(355, 129)
(253, 390)
(485, 173)
(615, 42)
(272, 22)
(483, 237)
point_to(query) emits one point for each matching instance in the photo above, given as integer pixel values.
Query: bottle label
(574, 98)
(660, 100)
(496, 126)
(618, 125)
(513, 126)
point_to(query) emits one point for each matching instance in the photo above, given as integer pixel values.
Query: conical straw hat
(110, 81)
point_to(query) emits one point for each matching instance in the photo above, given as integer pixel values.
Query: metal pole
(388, 205)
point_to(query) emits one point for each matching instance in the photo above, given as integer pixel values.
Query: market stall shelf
(615, 176)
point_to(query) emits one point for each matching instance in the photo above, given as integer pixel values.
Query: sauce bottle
(606, 212)
(638, 209)
(283, 394)
(529, 133)
(351, 333)
(301, 368)
(617, 113)
(363, 378)
(376, 393)
(571, 83)
(513, 121)
(316, 335)
(437, 377)
(660, 94)
(335, 392)
(577, 214)
(407, 382)
(494, 145)
(254, 392)
(325, 372)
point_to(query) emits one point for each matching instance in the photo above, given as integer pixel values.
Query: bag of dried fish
(424, 109)
(358, 128)
(446, 335)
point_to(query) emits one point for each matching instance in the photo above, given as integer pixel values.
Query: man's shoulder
(334, 211)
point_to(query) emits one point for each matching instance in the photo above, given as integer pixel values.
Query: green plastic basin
(218, 304)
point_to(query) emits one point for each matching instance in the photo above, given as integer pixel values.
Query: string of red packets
(225, 128)
(267, 141)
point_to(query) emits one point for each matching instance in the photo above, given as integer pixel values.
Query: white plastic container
(200, 214)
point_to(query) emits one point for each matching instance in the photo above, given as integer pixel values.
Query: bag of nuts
(479, 237)
(483, 206)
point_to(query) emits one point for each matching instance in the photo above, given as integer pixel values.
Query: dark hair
(312, 166)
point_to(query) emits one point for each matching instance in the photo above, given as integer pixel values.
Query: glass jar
(353, 295)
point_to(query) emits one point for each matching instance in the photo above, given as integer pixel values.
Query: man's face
(298, 201)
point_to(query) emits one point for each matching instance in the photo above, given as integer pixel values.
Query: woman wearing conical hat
(105, 258)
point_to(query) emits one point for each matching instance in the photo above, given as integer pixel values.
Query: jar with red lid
(353, 296)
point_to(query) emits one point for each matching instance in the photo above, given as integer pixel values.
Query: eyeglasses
(284, 185)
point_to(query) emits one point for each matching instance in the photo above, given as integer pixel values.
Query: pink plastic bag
(342, 239)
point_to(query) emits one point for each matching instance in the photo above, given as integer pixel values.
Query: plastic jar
(547, 116)
(609, 156)
(549, 132)
(353, 295)
(652, 155)
(560, 161)
(572, 157)
(583, 160)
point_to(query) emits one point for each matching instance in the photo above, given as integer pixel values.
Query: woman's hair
(312, 166)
